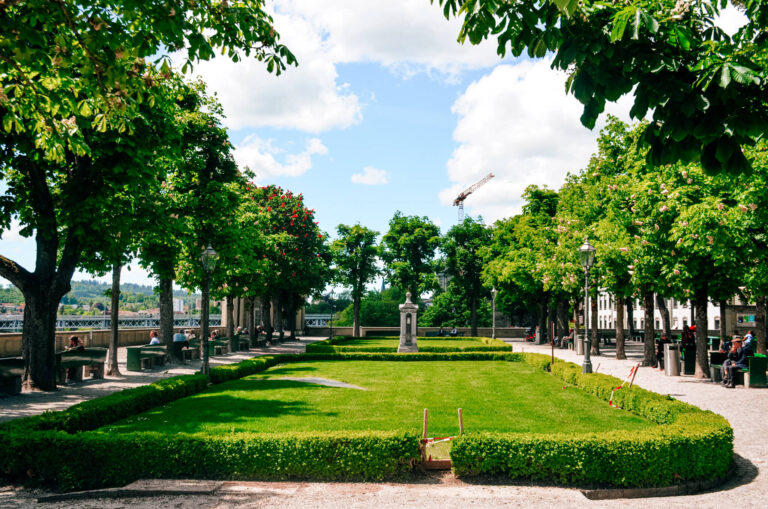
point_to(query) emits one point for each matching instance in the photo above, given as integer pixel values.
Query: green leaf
(725, 76)
(84, 108)
(620, 24)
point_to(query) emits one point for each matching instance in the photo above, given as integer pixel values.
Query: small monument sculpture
(408, 328)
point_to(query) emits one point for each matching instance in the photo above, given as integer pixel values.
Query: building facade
(739, 315)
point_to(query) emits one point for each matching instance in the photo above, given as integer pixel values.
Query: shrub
(689, 444)
(93, 459)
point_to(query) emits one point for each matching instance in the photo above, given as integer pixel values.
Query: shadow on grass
(287, 370)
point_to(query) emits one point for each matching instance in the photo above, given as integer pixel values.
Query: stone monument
(408, 328)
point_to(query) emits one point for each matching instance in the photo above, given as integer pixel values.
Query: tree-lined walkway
(36, 402)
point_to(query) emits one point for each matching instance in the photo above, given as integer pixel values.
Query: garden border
(692, 444)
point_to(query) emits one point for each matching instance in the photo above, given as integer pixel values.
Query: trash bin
(579, 345)
(671, 360)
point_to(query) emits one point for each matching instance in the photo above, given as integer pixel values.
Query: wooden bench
(70, 364)
(11, 372)
(185, 353)
(146, 355)
(432, 334)
(243, 342)
(215, 347)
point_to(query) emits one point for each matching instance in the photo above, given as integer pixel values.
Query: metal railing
(15, 323)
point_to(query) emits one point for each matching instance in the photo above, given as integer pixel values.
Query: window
(674, 323)
(642, 323)
(685, 322)
(657, 324)
(717, 322)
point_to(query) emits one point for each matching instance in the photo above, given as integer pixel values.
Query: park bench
(185, 353)
(432, 334)
(145, 355)
(11, 371)
(215, 347)
(716, 360)
(241, 343)
(754, 375)
(70, 364)
(607, 336)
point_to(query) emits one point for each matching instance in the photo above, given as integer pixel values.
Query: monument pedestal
(408, 327)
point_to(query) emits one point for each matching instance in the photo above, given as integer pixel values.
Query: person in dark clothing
(663, 340)
(738, 359)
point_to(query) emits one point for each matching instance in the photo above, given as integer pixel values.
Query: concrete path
(747, 410)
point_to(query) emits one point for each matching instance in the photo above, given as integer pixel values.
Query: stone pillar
(408, 326)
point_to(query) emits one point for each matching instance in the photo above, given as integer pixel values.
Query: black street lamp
(587, 257)
(209, 259)
(494, 291)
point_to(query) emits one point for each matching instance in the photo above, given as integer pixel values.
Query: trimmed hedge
(337, 345)
(92, 460)
(60, 447)
(689, 444)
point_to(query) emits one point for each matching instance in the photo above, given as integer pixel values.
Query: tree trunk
(230, 316)
(595, 349)
(702, 357)
(292, 316)
(760, 328)
(473, 316)
(112, 369)
(38, 339)
(279, 319)
(562, 318)
(266, 314)
(543, 318)
(630, 303)
(620, 339)
(356, 316)
(723, 324)
(649, 344)
(166, 314)
(575, 317)
(666, 326)
(693, 313)
(249, 324)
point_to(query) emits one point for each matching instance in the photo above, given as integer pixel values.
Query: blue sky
(387, 112)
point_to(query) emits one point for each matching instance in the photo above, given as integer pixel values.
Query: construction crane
(459, 201)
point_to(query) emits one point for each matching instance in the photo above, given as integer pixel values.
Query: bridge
(14, 323)
(316, 321)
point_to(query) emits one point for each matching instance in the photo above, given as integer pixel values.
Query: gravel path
(747, 410)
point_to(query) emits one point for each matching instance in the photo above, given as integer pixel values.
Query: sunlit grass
(494, 396)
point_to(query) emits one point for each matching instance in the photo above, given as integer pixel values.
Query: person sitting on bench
(738, 359)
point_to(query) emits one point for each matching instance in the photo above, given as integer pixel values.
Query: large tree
(707, 91)
(354, 255)
(408, 250)
(462, 246)
(72, 75)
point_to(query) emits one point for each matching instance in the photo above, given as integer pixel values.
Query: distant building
(739, 314)
(178, 305)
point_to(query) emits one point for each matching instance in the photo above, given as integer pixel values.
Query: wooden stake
(424, 432)
(634, 374)
(461, 423)
(597, 368)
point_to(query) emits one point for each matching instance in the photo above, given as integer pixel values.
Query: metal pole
(587, 366)
(205, 369)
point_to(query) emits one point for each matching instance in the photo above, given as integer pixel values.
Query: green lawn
(494, 395)
(392, 343)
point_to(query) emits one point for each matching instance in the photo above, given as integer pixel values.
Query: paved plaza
(747, 410)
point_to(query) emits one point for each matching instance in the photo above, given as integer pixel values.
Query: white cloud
(406, 36)
(403, 35)
(262, 157)
(371, 177)
(518, 123)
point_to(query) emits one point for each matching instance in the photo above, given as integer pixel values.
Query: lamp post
(209, 259)
(494, 291)
(587, 257)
